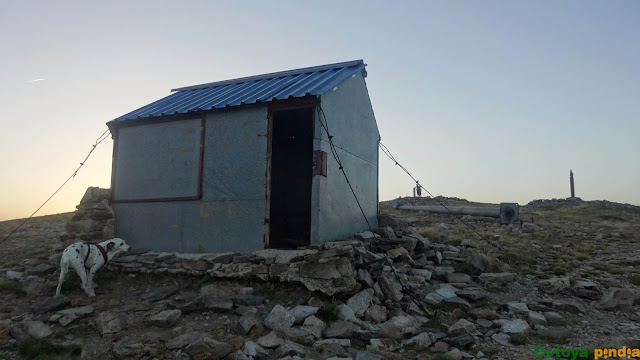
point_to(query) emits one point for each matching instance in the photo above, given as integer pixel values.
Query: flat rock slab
(518, 308)
(496, 277)
(284, 256)
(459, 278)
(160, 293)
(270, 341)
(42, 269)
(184, 340)
(512, 326)
(51, 303)
(167, 318)
(570, 305)
(79, 311)
(473, 294)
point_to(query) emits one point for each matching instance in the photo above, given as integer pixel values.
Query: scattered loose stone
(270, 341)
(570, 305)
(302, 312)
(128, 347)
(399, 327)
(81, 311)
(555, 285)
(365, 355)
(247, 322)
(453, 354)
(501, 338)
(289, 348)
(26, 330)
(421, 341)
(617, 299)
(554, 332)
(314, 326)
(340, 329)
(279, 318)
(255, 351)
(462, 341)
(512, 326)
(460, 327)
(360, 302)
(475, 263)
(160, 293)
(459, 278)
(208, 348)
(247, 299)
(496, 277)
(110, 322)
(376, 314)
(518, 308)
(13, 275)
(184, 340)
(167, 318)
(298, 335)
(536, 318)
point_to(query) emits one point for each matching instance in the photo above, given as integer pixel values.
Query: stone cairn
(94, 219)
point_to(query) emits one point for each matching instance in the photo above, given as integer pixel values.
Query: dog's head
(116, 245)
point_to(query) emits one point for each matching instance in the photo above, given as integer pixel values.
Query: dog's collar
(104, 253)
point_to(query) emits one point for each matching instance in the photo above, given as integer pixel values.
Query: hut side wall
(230, 215)
(353, 126)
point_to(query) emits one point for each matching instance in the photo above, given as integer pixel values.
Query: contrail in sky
(36, 80)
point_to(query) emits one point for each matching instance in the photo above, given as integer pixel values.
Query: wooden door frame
(276, 107)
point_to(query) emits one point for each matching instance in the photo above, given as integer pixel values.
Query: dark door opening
(291, 173)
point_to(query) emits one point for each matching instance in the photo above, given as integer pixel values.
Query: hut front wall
(352, 124)
(230, 214)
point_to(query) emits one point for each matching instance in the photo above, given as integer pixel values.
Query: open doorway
(291, 175)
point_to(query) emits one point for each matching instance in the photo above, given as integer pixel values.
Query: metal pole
(473, 211)
(507, 212)
(573, 194)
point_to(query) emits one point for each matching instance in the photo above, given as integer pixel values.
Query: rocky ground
(427, 287)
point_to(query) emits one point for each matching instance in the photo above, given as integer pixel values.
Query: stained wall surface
(351, 121)
(230, 215)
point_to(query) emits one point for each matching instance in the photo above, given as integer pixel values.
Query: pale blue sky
(491, 101)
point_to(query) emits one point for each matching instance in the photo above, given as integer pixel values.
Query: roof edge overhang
(273, 75)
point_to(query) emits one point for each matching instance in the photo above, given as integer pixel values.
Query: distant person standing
(418, 189)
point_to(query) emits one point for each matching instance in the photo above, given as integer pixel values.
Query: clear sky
(487, 100)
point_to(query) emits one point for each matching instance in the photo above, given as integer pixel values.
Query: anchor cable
(100, 139)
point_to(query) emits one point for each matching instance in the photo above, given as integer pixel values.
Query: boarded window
(158, 161)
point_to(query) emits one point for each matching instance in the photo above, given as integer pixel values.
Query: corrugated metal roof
(261, 88)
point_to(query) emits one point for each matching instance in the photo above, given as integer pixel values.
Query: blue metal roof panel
(235, 92)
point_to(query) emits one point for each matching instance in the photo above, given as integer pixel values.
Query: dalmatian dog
(87, 259)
